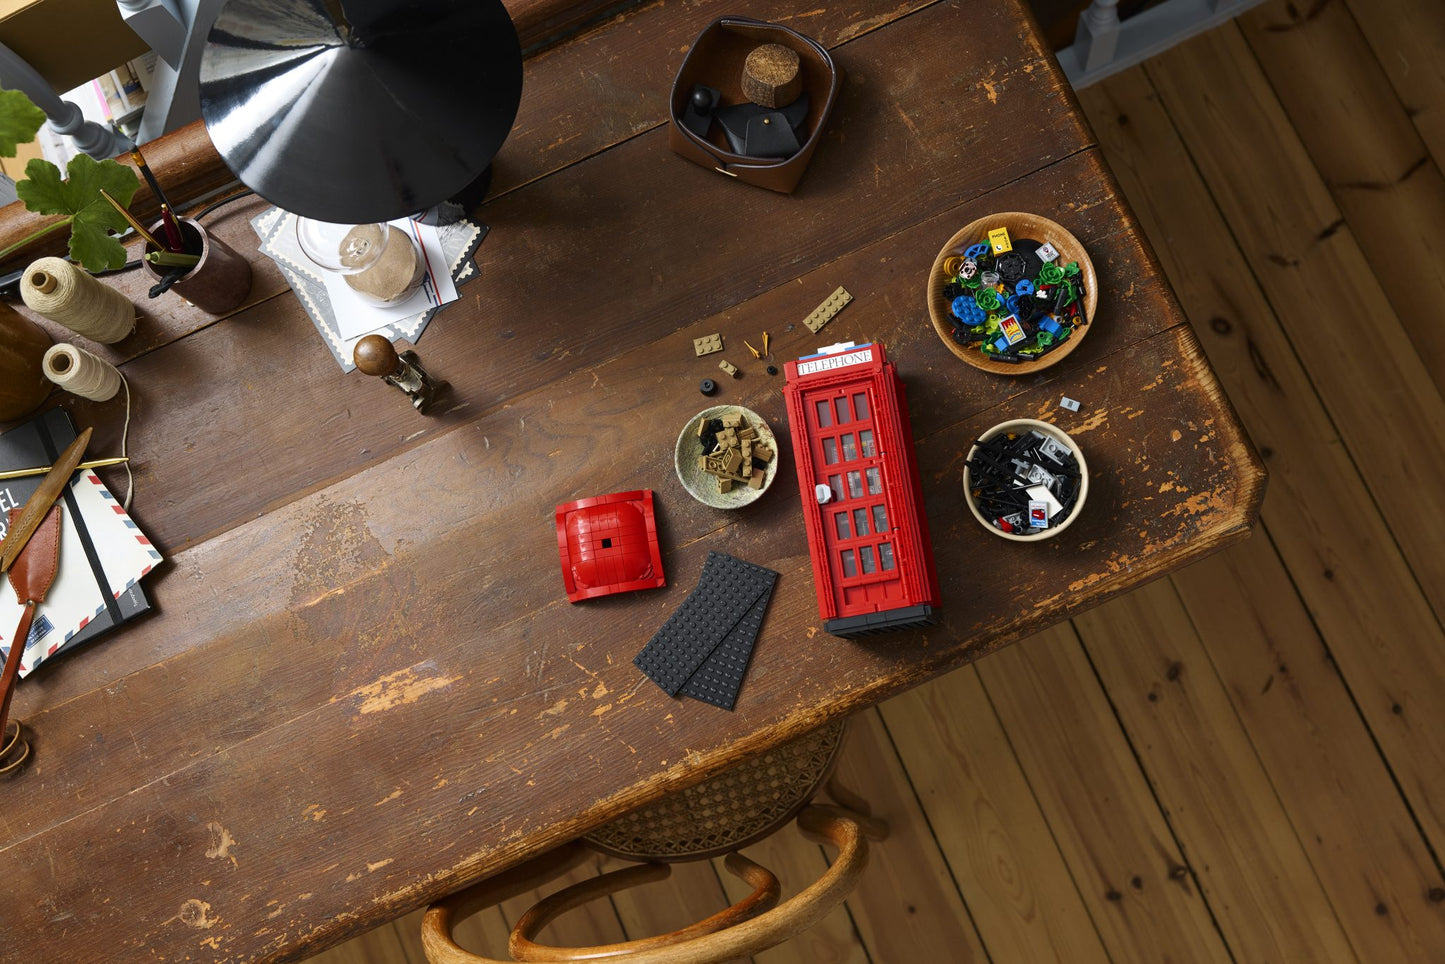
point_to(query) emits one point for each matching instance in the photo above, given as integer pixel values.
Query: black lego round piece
(1011, 267)
(772, 369)
(708, 386)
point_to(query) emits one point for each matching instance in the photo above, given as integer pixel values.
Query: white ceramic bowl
(702, 486)
(1021, 426)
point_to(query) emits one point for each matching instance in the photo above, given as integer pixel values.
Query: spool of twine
(78, 371)
(58, 290)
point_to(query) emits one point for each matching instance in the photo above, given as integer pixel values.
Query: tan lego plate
(704, 486)
(1020, 225)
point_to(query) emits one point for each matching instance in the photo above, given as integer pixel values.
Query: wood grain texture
(1100, 809)
(1268, 901)
(1019, 892)
(362, 689)
(1356, 583)
(1389, 189)
(1241, 140)
(1375, 867)
(907, 881)
(1406, 37)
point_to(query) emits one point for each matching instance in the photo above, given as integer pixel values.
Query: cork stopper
(772, 76)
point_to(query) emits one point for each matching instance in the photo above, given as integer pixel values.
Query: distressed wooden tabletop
(364, 687)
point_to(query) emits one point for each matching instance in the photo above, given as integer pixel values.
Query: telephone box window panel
(862, 500)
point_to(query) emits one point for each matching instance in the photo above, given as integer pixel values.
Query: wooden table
(364, 686)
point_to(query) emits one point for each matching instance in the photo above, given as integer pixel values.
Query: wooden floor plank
(906, 906)
(1322, 761)
(1389, 189)
(1097, 803)
(988, 825)
(1407, 37)
(1355, 581)
(1219, 801)
(1318, 283)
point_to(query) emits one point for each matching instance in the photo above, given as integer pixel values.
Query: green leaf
(93, 247)
(19, 121)
(87, 178)
(42, 190)
(78, 197)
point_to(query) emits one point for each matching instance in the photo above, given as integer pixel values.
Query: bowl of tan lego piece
(726, 456)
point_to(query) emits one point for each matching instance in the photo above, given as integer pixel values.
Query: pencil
(41, 470)
(149, 238)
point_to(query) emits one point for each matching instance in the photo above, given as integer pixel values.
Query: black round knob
(701, 101)
(708, 386)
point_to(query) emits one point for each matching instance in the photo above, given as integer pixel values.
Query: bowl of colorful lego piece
(1012, 293)
(726, 456)
(1025, 480)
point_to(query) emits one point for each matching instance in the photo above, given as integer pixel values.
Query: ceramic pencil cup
(218, 283)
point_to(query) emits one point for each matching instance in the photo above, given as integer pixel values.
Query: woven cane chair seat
(729, 811)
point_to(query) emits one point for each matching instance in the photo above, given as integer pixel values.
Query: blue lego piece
(1049, 324)
(966, 310)
(1024, 287)
(977, 251)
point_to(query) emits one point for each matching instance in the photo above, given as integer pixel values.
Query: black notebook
(103, 555)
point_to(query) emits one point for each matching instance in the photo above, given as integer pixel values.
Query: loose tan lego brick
(824, 313)
(762, 451)
(707, 344)
(756, 481)
(729, 368)
(732, 421)
(724, 485)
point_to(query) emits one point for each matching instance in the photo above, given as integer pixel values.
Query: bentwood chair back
(719, 816)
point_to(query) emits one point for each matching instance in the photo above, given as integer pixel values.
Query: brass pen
(136, 226)
(42, 469)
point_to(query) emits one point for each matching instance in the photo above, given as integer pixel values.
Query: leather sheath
(31, 576)
(716, 60)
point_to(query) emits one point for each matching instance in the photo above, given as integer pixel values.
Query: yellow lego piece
(824, 313)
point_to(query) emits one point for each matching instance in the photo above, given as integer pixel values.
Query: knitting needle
(42, 469)
(149, 238)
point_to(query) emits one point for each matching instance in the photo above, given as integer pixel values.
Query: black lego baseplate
(703, 649)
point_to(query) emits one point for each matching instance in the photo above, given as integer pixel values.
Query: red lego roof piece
(608, 544)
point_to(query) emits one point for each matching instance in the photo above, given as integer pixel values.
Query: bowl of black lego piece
(1025, 480)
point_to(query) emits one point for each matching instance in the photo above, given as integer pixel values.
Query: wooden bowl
(703, 486)
(1020, 225)
(1022, 425)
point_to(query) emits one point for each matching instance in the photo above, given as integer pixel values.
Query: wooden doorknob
(374, 355)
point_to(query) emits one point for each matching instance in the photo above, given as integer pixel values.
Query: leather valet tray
(716, 60)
